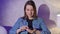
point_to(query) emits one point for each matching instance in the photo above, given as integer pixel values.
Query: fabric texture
(37, 23)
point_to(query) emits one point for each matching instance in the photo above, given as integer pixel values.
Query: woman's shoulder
(39, 18)
(20, 18)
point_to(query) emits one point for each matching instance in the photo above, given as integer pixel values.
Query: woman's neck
(30, 18)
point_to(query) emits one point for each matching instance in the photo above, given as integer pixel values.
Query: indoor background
(11, 10)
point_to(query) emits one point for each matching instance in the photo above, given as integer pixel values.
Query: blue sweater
(38, 24)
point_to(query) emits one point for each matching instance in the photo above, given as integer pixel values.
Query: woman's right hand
(22, 29)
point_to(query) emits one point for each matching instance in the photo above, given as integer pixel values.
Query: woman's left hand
(31, 31)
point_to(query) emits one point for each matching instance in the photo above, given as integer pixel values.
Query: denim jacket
(38, 24)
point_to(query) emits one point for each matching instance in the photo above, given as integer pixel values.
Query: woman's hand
(31, 31)
(28, 30)
(34, 31)
(38, 32)
(22, 29)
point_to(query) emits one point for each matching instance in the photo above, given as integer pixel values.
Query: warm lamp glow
(55, 3)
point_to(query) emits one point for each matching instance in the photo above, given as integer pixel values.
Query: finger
(27, 27)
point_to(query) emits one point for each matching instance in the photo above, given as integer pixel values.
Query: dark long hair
(30, 2)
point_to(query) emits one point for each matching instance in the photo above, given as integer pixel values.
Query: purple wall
(11, 10)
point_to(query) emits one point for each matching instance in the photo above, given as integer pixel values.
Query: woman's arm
(44, 27)
(22, 28)
(15, 27)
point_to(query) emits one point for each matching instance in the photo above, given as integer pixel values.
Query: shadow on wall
(44, 13)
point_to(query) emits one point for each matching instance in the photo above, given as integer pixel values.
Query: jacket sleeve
(15, 27)
(44, 27)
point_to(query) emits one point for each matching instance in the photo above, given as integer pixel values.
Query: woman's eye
(27, 9)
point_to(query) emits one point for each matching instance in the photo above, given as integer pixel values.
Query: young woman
(30, 23)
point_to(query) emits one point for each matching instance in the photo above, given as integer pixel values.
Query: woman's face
(29, 10)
